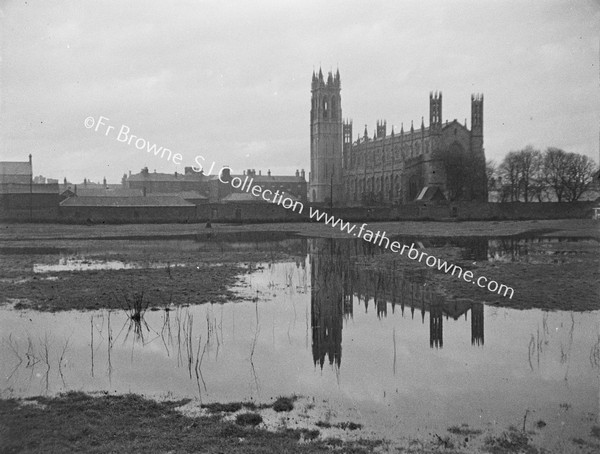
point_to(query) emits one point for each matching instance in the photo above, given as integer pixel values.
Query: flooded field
(376, 345)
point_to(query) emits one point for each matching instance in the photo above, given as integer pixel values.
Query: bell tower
(326, 140)
(479, 183)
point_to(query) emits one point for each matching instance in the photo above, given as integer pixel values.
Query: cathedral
(443, 161)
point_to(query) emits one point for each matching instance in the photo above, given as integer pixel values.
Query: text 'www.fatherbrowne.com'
(381, 239)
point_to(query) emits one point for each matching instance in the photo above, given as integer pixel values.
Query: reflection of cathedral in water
(336, 279)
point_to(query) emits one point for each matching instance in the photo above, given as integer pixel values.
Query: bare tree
(555, 165)
(580, 174)
(521, 172)
(569, 175)
(510, 173)
(529, 164)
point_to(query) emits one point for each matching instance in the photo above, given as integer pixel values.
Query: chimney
(297, 173)
(104, 181)
(130, 173)
(176, 174)
(75, 189)
(260, 172)
(302, 174)
(269, 172)
(144, 191)
(225, 173)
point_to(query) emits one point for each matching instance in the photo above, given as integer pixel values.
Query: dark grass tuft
(284, 404)
(248, 419)
(510, 441)
(349, 425)
(463, 430)
(540, 424)
(229, 407)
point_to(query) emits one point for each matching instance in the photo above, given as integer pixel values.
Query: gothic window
(387, 188)
(414, 187)
(325, 106)
(333, 108)
(417, 148)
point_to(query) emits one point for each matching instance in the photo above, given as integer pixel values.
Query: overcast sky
(231, 80)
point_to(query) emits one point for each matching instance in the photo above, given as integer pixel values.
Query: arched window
(414, 187)
(325, 107)
(333, 109)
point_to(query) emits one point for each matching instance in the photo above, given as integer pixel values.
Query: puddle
(75, 264)
(377, 347)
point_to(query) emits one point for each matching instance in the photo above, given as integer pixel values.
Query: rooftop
(137, 201)
(15, 168)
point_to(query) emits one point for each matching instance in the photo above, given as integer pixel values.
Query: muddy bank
(189, 264)
(564, 227)
(60, 274)
(118, 289)
(77, 422)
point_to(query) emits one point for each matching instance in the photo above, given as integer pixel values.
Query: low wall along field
(49, 211)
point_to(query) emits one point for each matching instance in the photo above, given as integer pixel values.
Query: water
(377, 345)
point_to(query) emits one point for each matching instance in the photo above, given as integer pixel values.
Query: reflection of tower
(435, 326)
(477, 249)
(327, 306)
(477, 324)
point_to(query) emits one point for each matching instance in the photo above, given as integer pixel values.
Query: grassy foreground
(77, 422)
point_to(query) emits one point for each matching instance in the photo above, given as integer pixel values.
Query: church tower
(326, 139)
(434, 163)
(479, 183)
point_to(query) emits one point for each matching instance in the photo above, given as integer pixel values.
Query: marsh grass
(284, 403)
(77, 422)
(248, 419)
(510, 441)
(136, 306)
(463, 430)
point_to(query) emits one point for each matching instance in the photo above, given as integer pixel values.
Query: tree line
(529, 175)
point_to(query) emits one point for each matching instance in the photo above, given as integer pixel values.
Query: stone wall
(48, 210)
